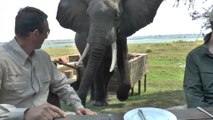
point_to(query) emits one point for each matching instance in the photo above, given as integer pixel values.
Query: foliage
(200, 10)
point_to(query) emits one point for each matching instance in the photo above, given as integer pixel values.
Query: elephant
(102, 28)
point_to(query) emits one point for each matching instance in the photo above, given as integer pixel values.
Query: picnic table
(138, 67)
(181, 114)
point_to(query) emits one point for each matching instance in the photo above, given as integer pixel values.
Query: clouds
(169, 20)
(9, 9)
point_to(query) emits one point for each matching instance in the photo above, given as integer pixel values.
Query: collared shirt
(198, 78)
(25, 80)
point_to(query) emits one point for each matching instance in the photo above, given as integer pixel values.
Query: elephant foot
(108, 98)
(100, 103)
(91, 99)
(123, 92)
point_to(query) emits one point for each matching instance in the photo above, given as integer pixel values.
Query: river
(132, 40)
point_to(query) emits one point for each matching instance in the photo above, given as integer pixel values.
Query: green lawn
(164, 83)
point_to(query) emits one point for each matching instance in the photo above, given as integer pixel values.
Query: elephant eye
(117, 15)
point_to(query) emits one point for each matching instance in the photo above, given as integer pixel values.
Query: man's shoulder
(43, 54)
(198, 50)
(5, 54)
(3, 50)
(40, 51)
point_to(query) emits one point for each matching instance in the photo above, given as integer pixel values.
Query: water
(133, 40)
(58, 43)
(161, 40)
(46, 45)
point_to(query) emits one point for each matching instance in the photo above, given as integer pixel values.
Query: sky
(169, 20)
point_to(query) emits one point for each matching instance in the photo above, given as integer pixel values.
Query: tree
(200, 10)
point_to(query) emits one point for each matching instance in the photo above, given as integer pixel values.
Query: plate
(150, 114)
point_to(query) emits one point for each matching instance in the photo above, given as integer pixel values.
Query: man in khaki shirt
(27, 73)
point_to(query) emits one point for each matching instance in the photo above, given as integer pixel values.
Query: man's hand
(44, 112)
(85, 111)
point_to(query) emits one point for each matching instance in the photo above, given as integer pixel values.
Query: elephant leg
(123, 68)
(106, 80)
(53, 99)
(102, 80)
(92, 94)
(107, 77)
(80, 41)
(99, 89)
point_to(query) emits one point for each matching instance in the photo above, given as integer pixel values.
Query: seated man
(198, 79)
(27, 73)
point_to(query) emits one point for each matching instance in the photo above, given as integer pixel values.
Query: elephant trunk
(99, 35)
(114, 55)
(97, 53)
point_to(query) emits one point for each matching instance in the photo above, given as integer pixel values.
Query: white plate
(150, 114)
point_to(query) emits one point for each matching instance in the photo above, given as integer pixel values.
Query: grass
(61, 51)
(164, 84)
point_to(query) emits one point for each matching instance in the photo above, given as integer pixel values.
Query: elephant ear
(72, 14)
(137, 14)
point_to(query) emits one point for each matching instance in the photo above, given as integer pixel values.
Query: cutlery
(204, 111)
(140, 112)
(110, 115)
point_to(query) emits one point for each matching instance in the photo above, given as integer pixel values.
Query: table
(138, 67)
(182, 114)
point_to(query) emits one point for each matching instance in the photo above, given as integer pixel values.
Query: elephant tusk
(114, 56)
(84, 54)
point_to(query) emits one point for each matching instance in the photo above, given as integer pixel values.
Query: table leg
(132, 91)
(145, 82)
(139, 87)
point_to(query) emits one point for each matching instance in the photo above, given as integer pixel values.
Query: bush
(148, 50)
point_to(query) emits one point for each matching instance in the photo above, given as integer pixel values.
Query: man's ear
(35, 32)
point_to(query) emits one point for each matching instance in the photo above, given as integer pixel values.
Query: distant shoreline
(131, 40)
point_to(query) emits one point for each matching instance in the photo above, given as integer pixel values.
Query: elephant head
(105, 21)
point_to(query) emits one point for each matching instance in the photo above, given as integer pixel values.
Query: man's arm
(60, 86)
(45, 111)
(192, 84)
(9, 112)
(12, 114)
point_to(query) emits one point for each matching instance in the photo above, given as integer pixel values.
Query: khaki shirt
(25, 80)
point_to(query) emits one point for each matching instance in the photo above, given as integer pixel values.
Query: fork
(204, 111)
(141, 114)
